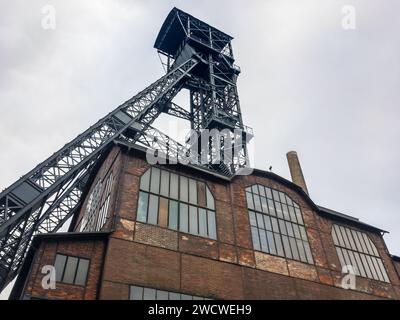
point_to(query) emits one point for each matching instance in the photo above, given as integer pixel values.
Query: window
(276, 224)
(176, 202)
(95, 215)
(142, 293)
(71, 270)
(356, 249)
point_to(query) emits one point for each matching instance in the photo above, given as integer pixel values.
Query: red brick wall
(45, 255)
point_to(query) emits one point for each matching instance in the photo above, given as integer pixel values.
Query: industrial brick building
(173, 232)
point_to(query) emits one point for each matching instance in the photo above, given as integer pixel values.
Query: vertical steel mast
(199, 59)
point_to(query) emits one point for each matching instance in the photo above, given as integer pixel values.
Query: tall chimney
(295, 170)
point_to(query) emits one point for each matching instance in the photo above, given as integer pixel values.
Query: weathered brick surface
(303, 271)
(133, 263)
(114, 291)
(227, 253)
(271, 263)
(261, 285)
(198, 246)
(210, 278)
(153, 235)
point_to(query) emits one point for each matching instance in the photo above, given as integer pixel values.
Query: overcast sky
(306, 84)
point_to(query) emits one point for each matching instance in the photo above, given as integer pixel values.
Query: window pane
(261, 189)
(173, 215)
(268, 193)
(145, 181)
(267, 223)
(162, 295)
(264, 205)
(278, 244)
(202, 222)
(149, 294)
(256, 239)
(142, 207)
(252, 217)
(278, 209)
(193, 191)
(276, 195)
(260, 221)
(289, 229)
(298, 216)
(293, 246)
(183, 217)
(81, 274)
(282, 226)
(275, 227)
(136, 293)
(174, 296)
(303, 233)
(184, 189)
(254, 189)
(70, 270)
(59, 265)
(286, 212)
(282, 197)
(292, 214)
(210, 199)
(271, 207)
(163, 212)
(155, 180)
(193, 228)
(301, 250)
(249, 198)
(257, 202)
(271, 242)
(308, 252)
(186, 297)
(296, 231)
(263, 240)
(164, 183)
(153, 209)
(174, 184)
(201, 194)
(286, 246)
(212, 232)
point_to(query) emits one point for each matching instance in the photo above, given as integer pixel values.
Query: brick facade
(226, 268)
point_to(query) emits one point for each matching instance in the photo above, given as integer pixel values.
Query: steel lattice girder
(42, 200)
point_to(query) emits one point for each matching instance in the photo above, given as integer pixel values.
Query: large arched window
(355, 248)
(277, 225)
(176, 202)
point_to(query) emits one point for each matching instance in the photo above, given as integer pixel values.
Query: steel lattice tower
(198, 58)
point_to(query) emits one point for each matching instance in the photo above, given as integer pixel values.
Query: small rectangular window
(260, 221)
(173, 215)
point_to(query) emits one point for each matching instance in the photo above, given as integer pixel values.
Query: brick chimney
(295, 170)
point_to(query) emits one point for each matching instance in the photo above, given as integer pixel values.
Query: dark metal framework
(199, 59)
